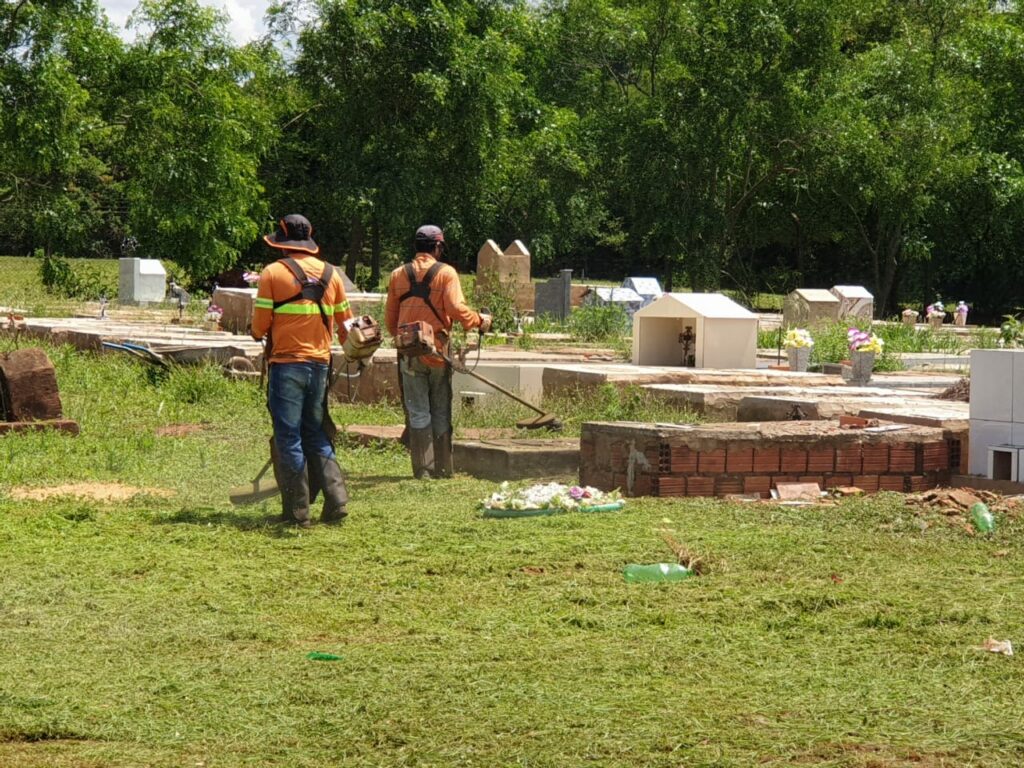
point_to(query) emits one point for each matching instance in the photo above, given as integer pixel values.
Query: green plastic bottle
(982, 518)
(635, 573)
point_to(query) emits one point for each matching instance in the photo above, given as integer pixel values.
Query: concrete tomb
(752, 459)
(141, 281)
(627, 298)
(997, 414)
(507, 270)
(854, 301)
(554, 297)
(806, 307)
(695, 330)
(648, 288)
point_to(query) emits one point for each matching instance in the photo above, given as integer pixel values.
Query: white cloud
(245, 17)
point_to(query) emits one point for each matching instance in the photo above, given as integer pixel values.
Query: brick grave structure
(752, 458)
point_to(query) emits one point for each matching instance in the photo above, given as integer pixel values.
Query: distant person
(300, 302)
(428, 291)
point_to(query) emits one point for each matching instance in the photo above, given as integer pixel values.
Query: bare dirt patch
(179, 430)
(90, 491)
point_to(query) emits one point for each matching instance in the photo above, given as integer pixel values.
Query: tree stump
(28, 387)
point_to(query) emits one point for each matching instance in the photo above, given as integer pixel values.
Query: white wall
(997, 403)
(730, 343)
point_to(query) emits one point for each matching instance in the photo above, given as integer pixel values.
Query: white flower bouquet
(548, 499)
(798, 338)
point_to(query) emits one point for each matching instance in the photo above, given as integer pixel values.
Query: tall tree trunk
(667, 272)
(355, 246)
(375, 253)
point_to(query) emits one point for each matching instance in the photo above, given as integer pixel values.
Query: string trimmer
(543, 419)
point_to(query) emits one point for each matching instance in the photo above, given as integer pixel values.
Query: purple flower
(576, 492)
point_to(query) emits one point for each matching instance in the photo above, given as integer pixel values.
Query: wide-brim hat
(293, 233)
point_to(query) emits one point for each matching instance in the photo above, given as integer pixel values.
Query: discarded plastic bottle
(982, 518)
(635, 573)
(321, 656)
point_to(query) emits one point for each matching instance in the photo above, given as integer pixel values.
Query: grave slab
(58, 425)
(501, 460)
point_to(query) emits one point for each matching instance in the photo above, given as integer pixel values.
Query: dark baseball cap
(430, 234)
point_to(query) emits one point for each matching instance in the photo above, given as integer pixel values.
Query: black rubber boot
(421, 448)
(294, 497)
(332, 482)
(443, 455)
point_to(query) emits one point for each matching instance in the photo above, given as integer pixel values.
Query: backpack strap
(420, 289)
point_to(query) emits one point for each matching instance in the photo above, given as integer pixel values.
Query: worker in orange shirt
(429, 291)
(300, 305)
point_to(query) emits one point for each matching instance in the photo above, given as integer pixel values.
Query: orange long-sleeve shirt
(445, 294)
(297, 329)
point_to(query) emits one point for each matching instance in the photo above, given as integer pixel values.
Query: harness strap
(312, 292)
(420, 289)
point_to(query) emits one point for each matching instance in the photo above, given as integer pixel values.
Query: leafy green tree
(56, 191)
(193, 138)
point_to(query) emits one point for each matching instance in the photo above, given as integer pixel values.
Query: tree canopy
(746, 144)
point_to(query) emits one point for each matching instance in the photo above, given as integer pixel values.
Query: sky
(245, 24)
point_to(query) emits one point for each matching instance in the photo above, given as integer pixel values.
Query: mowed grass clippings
(173, 631)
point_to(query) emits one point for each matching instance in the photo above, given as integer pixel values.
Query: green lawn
(174, 631)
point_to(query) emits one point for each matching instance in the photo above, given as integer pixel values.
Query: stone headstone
(237, 304)
(511, 270)
(554, 297)
(141, 281)
(806, 307)
(854, 301)
(28, 387)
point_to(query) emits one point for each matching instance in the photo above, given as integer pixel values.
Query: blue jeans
(295, 396)
(428, 395)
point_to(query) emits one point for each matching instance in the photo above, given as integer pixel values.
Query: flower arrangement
(213, 313)
(862, 341)
(550, 497)
(798, 338)
(938, 309)
(252, 278)
(962, 308)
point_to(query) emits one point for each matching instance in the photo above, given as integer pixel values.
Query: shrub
(599, 323)
(79, 282)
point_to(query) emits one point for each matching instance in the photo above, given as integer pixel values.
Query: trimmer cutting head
(547, 421)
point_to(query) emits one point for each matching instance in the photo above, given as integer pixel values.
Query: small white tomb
(140, 281)
(697, 330)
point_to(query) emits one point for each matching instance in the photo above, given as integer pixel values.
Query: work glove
(485, 322)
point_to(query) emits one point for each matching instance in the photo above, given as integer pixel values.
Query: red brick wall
(676, 469)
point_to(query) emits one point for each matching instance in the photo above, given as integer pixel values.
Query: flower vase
(909, 317)
(799, 358)
(936, 321)
(960, 318)
(862, 364)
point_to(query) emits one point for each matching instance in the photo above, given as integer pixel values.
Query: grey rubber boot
(421, 448)
(332, 482)
(443, 455)
(294, 488)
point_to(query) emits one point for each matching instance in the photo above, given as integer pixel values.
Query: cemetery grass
(172, 630)
(21, 287)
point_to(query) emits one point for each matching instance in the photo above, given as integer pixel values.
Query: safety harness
(312, 290)
(420, 289)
